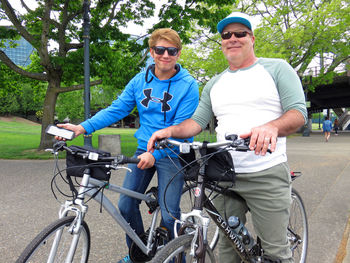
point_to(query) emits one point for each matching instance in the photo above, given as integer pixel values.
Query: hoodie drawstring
(167, 93)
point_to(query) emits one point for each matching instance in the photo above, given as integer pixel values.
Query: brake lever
(58, 146)
(161, 144)
(243, 145)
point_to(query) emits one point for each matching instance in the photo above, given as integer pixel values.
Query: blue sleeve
(119, 108)
(188, 104)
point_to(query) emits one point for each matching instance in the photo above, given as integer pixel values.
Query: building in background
(20, 54)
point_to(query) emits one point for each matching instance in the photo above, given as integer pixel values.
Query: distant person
(165, 94)
(336, 126)
(327, 127)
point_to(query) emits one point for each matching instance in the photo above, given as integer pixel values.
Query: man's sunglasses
(159, 50)
(228, 34)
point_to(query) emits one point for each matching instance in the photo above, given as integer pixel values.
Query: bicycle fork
(199, 241)
(74, 229)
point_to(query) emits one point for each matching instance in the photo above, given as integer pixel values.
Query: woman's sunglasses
(228, 34)
(159, 50)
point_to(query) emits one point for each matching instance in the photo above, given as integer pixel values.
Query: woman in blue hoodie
(165, 95)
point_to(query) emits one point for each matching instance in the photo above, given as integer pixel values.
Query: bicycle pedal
(163, 233)
(153, 204)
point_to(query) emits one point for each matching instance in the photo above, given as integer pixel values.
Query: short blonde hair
(167, 34)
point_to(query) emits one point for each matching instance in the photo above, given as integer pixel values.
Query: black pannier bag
(76, 164)
(219, 165)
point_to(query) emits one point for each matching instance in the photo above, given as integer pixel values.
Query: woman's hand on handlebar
(146, 160)
(158, 135)
(78, 129)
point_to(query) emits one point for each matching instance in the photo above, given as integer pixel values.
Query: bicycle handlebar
(231, 140)
(94, 156)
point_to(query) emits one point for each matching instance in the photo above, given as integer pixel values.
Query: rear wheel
(39, 249)
(178, 251)
(298, 228)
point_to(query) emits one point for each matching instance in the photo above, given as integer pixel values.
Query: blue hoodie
(161, 103)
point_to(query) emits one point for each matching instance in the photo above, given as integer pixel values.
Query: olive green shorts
(267, 195)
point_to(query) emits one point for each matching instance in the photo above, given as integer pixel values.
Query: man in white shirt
(263, 99)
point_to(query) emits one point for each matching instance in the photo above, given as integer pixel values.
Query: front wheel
(298, 228)
(57, 237)
(178, 251)
(187, 205)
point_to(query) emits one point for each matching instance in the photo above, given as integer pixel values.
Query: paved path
(324, 187)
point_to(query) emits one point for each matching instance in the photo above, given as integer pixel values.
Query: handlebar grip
(161, 143)
(125, 159)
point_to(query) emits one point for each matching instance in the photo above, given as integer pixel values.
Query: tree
(18, 95)
(54, 29)
(311, 36)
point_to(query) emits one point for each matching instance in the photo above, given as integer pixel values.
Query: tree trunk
(46, 141)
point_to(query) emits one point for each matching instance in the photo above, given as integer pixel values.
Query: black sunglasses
(228, 34)
(159, 50)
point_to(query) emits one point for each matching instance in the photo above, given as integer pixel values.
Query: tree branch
(13, 18)
(26, 7)
(45, 33)
(8, 62)
(336, 63)
(78, 87)
(70, 46)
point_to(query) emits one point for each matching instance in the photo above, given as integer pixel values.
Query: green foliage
(71, 104)
(311, 36)
(55, 30)
(203, 60)
(18, 95)
(205, 13)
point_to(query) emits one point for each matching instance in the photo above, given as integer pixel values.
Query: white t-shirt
(247, 98)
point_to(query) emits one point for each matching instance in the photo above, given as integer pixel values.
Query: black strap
(71, 186)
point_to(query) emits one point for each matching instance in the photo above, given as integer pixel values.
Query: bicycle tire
(173, 251)
(213, 231)
(39, 248)
(298, 228)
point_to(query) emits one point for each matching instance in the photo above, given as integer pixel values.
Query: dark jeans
(138, 180)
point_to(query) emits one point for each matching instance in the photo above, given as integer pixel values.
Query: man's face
(164, 62)
(238, 48)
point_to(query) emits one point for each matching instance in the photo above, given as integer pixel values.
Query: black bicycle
(194, 242)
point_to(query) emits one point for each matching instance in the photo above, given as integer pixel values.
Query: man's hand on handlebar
(158, 135)
(78, 129)
(261, 138)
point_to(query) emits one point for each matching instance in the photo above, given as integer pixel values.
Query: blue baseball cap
(235, 17)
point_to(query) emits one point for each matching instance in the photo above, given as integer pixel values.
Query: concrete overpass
(334, 96)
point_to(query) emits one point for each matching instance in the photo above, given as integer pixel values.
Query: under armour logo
(166, 97)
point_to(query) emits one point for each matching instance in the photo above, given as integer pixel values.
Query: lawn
(20, 140)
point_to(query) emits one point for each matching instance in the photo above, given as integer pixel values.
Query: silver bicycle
(68, 238)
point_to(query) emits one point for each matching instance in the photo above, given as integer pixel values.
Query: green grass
(20, 140)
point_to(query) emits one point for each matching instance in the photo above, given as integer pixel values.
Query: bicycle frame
(90, 187)
(201, 201)
(194, 225)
